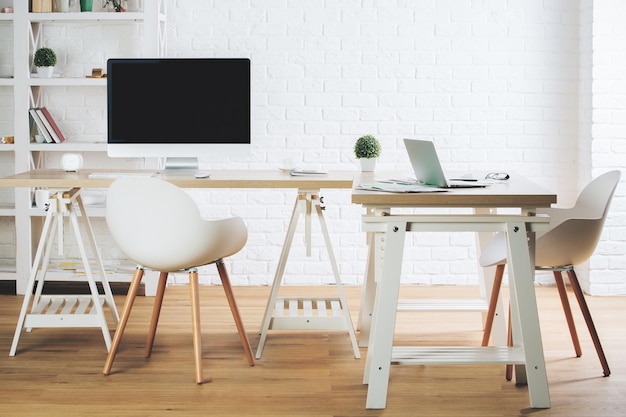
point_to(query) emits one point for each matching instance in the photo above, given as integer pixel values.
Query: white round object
(72, 162)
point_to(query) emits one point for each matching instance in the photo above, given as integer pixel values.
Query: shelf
(85, 17)
(65, 311)
(7, 270)
(467, 305)
(457, 355)
(7, 211)
(7, 275)
(308, 314)
(66, 81)
(7, 81)
(7, 147)
(68, 147)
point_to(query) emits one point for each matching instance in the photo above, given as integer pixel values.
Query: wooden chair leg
(156, 312)
(228, 289)
(493, 302)
(195, 323)
(587, 315)
(560, 285)
(121, 326)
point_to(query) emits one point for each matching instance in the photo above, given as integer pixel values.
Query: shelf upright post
(155, 35)
(21, 102)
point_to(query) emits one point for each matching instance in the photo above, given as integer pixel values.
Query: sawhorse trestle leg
(310, 313)
(87, 310)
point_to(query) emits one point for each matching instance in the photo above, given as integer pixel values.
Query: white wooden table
(281, 313)
(386, 237)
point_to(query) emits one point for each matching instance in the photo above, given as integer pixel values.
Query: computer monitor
(181, 109)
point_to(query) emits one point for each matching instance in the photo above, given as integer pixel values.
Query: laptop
(427, 167)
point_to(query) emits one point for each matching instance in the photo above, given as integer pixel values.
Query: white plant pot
(45, 72)
(367, 164)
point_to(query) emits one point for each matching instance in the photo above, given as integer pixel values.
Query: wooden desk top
(514, 193)
(57, 178)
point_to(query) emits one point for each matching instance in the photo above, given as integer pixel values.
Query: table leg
(338, 283)
(373, 268)
(307, 203)
(91, 237)
(278, 276)
(45, 244)
(368, 292)
(525, 317)
(378, 362)
(91, 280)
(65, 310)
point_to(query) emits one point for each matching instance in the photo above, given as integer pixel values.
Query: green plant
(45, 57)
(367, 147)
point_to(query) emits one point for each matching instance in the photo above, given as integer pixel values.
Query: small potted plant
(367, 149)
(45, 59)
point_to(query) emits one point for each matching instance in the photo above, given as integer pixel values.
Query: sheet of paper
(399, 188)
(306, 172)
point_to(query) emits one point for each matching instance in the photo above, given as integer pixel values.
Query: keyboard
(120, 174)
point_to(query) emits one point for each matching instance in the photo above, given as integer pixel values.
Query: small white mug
(41, 198)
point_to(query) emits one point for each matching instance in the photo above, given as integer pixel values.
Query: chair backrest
(575, 232)
(159, 226)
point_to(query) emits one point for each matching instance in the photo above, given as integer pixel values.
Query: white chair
(159, 226)
(571, 240)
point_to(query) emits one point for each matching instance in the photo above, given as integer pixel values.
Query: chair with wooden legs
(571, 240)
(158, 226)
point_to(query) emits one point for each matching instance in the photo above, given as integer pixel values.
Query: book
(41, 127)
(47, 125)
(41, 6)
(56, 133)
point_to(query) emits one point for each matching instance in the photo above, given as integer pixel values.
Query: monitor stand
(181, 165)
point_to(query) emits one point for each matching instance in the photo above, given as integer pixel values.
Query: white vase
(134, 6)
(63, 6)
(45, 72)
(367, 164)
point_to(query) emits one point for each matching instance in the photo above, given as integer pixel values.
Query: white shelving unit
(28, 35)
(7, 151)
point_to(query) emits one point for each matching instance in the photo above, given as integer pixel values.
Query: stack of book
(46, 125)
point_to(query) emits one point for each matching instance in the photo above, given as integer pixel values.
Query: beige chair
(571, 240)
(159, 226)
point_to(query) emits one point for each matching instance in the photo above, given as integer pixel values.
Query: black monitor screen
(178, 101)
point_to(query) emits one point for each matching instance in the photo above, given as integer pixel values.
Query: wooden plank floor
(57, 372)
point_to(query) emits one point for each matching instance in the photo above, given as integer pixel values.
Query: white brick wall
(608, 144)
(497, 85)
